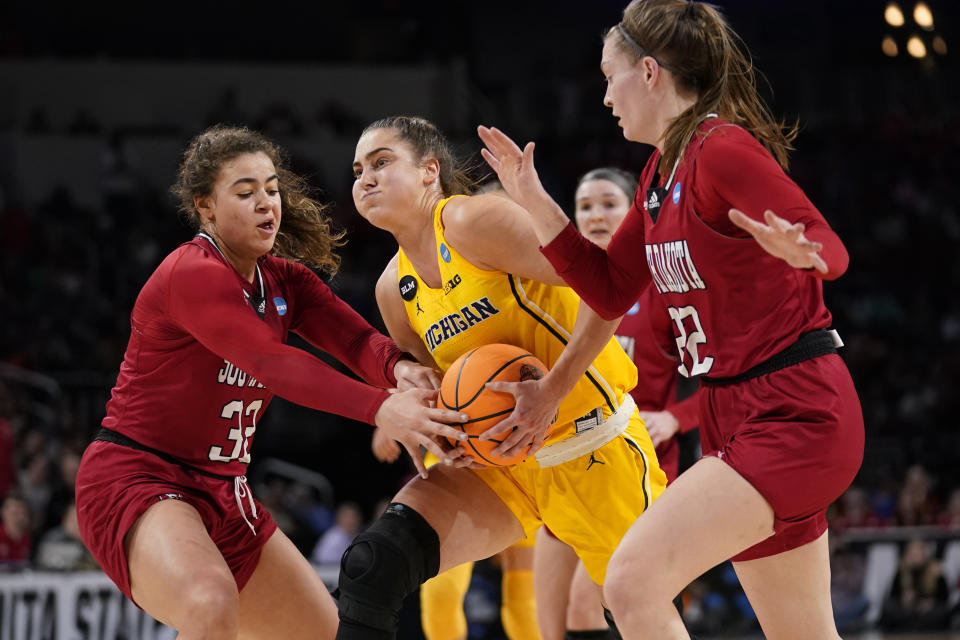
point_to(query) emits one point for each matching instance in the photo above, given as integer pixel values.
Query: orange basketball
(463, 390)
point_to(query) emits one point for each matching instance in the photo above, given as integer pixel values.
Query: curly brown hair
(695, 43)
(304, 234)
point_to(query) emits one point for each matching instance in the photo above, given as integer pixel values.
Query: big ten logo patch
(450, 284)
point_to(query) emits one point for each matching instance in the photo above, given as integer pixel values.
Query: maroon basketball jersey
(733, 305)
(201, 365)
(644, 333)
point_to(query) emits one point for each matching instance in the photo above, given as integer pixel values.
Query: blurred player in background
(567, 603)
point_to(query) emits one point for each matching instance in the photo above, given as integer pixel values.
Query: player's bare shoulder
(387, 283)
(473, 225)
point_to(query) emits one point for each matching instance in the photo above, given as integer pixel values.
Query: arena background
(96, 103)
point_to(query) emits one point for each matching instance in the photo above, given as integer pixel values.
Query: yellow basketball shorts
(429, 460)
(588, 502)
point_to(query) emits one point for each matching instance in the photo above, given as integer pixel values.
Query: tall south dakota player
(744, 287)
(468, 273)
(162, 500)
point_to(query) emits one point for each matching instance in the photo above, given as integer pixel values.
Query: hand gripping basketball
(474, 385)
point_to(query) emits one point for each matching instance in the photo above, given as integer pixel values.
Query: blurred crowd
(886, 181)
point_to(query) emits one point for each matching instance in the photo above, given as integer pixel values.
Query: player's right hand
(384, 448)
(518, 175)
(661, 425)
(514, 166)
(408, 418)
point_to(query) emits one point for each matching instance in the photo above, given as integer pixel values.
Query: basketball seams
(500, 361)
(483, 457)
(492, 376)
(456, 388)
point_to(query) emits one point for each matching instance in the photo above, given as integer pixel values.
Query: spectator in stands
(7, 460)
(15, 541)
(854, 511)
(919, 595)
(916, 503)
(311, 515)
(61, 489)
(33, 481)
(61, 549)
(335, 540)
(950, 517)
(847, 570)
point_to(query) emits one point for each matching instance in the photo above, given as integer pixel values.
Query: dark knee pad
(614, 632)
(677, 602)
(384, 564)
(590, 634)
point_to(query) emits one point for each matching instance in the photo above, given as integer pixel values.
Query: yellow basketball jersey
(474, 307)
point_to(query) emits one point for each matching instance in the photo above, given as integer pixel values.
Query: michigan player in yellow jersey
(468, 272)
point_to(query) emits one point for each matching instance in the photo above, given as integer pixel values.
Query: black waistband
(809, 345)
(109, 435)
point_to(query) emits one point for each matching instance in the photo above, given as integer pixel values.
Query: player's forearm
(591, 333)
(546, 216)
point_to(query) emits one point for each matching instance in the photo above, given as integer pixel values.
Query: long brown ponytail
(693, 41)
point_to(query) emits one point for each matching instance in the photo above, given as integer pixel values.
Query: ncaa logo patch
(281, 306)
(676, 193)
(444, 252)
(634, 310)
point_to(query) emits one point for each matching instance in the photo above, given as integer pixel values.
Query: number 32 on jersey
(239, 435)
(687, 343)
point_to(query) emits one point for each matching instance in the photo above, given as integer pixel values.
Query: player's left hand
(413, 375)
(783, 240)
(535, 410)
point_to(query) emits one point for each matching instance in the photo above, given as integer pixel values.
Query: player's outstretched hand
(514, 166)
(385, 449)
(661, 425)
(535, 410)
(783, 240)
(413, 375)
(408, 418)
(519, 178)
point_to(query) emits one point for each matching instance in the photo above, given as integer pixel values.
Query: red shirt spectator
(15, 543)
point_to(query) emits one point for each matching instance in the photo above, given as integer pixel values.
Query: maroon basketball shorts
(116, 484)
(668, 455)
(796, 435)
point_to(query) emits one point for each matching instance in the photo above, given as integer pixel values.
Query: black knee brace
(614, 631)
(590, 634)
(677, 602)
(384, 564)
